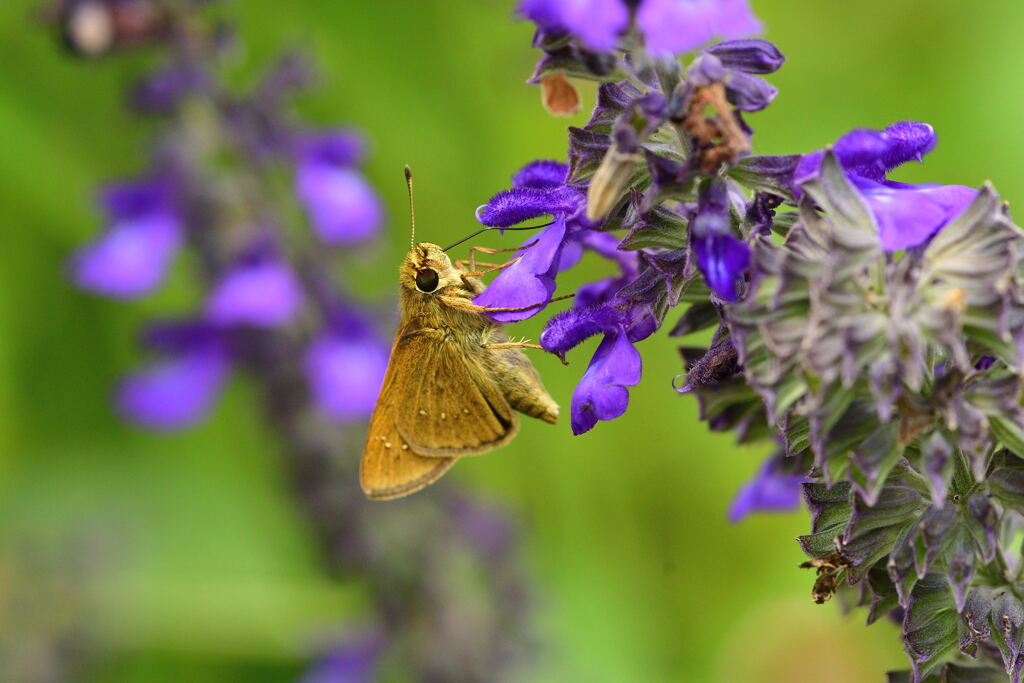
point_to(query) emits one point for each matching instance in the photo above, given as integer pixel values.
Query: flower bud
(751, 55)
(609, 182)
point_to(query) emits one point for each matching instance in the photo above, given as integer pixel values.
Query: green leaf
(660, 227)
(747, 173)
(931, 624)
(1009, 433)
(697, 317)
(1006, 480)
(830, 510)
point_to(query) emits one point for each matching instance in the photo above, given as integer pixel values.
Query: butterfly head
(427, 269)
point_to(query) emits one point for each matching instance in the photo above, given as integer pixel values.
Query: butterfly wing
(455, 406)
(438, 402)
(390, 468)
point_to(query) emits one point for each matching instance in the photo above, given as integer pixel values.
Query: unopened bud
(609, 182)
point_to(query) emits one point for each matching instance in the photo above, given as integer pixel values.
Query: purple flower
(537, 189)
(674, 26)
(489, 531)
(907, 215)
(131, 258)
(161, 91)
(530, 281)
(341, 204)
(606, 245)
(601, 393)
(345, 367)
(354, 662)
(721, 257)
(260, 291)
(180, 386)
(669, 26)
(771, 490)
(597, 23)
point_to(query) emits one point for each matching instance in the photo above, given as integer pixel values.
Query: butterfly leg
(477, 273)
(488, 250)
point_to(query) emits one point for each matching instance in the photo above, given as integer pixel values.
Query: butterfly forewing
(454, 406)
(390, 468)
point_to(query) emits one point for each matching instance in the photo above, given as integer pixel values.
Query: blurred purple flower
(354, 662)
(261, 290)
(770, 490)
(178, 388)
(674, 26)
(907, 215)
(597, 23)
(489, 530)
(161, 91)
(345, 367)
(342, 205)
(131, 258)
(721, 256)
(669, 26)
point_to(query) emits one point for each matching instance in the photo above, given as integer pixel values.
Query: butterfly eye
(426, 280)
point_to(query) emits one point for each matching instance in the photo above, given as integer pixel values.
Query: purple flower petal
(769, 491)
(908, 215)
(519, 204)
(544, 174)
(342, 205)
(908, 141)
(597, 23)
(177, 390)
(722, 259)
(572, 252)
(602, 393)
(345, 372)
(674, 26)
(530, 280)
(132, 257)
(570, 328)
(261, 293)
(873, 153)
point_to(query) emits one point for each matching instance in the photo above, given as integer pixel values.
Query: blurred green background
(203, 568)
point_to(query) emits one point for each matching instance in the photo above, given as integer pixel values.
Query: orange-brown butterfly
(454, 380)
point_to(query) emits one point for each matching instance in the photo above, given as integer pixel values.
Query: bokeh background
(186, 552)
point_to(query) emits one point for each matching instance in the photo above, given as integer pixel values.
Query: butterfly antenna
(412, 211)
(496, 227)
